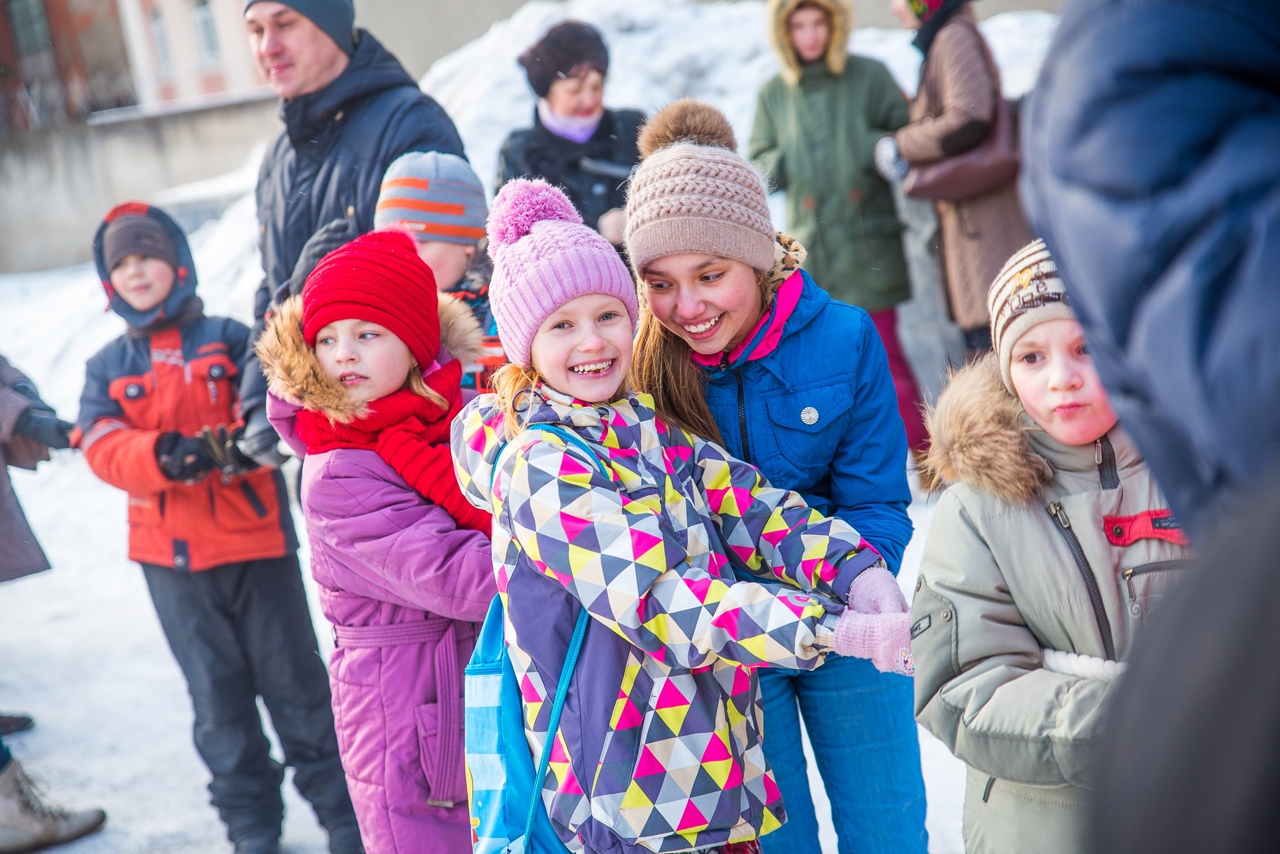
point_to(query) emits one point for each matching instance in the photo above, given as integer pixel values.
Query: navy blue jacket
(851, 461)
(328, 165)
(1151, 152)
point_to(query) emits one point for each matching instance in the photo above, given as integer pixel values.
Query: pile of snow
(81, 645)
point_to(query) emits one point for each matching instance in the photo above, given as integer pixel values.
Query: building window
(162, 43)
(206, 33)
(30, 29)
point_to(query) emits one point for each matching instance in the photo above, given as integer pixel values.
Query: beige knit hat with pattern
(693, 192)
(1026, 292)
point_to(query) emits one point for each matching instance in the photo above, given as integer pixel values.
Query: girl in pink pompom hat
(693, 570)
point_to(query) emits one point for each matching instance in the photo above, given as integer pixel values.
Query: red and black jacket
(179, 375)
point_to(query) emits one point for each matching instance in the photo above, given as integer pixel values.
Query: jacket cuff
(865, 558)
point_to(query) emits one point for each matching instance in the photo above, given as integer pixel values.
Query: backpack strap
(575, 643)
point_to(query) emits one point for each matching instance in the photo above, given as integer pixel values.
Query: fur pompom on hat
(379, 278)
(543, 256)
(565, 51)
(1026, 292)
(693, 192)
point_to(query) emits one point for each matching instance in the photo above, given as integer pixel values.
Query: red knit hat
(379, 278)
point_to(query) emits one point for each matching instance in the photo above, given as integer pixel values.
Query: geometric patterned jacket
(695, 571)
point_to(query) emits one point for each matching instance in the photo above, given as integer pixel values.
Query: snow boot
(9, 724)
(27, 823)
(346, 840)
(258, 845)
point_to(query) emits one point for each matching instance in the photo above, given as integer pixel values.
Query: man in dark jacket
(349, 109)
(1152, 170)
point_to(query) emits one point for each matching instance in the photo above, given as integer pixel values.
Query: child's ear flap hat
(139, 228)
(693, 192)
(379, 278)
(543, 256)
(1025, 293)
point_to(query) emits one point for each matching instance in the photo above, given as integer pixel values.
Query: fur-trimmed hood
(978, 436)
(293, 372)
(840, 16)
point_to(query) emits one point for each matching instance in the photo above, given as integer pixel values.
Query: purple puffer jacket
(405, 590)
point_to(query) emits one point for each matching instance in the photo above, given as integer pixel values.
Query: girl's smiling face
(583, 348)
(364, 358)
(1054, 377)
(710, 302)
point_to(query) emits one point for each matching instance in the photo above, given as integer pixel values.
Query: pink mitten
(876, 591)
(883, 638)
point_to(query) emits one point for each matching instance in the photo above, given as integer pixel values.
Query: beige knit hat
(1026, 292)
(693, 192)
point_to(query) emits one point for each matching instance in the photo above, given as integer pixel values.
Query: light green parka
(814, 137)
(1036, 546)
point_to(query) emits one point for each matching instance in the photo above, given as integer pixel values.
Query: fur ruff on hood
(840, 18)
(977, 437)
(293, 372)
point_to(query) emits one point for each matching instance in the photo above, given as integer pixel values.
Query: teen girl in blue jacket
(797, 384)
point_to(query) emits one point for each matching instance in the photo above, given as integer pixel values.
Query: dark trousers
(240, 631)
(5, 755)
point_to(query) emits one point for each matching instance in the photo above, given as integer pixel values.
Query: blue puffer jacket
(328, 165)
(1152, 170)
(817, 414)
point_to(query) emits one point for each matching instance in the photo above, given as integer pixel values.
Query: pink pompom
(523, 202)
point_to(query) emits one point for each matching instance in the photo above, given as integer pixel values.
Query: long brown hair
(663, 366)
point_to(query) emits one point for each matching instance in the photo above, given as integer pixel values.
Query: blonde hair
(509, 383)
(418, 385)
(663, 367)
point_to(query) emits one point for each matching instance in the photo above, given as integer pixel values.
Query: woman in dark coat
(575, 143)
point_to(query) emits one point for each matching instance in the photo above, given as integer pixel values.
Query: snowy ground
(81, 646)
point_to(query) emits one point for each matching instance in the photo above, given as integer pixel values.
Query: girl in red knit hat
(365, 369)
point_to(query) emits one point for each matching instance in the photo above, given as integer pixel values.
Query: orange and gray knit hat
(1025, 293)
(693, 192)
(433, 196)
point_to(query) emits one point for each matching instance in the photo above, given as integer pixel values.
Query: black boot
(345, 839)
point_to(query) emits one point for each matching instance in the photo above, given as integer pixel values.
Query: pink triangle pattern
(670, 697)
(692, 819)
(648, 764)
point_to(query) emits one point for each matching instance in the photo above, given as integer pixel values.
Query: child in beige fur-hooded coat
(1046, 556)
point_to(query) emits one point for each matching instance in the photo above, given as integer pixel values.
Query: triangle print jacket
(696, 572)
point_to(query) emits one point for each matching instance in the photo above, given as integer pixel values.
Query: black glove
(182, 458)
(27, 389)
(220, 445)
(327, 238)
(257, 439)
(45, 427)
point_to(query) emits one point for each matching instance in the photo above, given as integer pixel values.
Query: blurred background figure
(29, 428)
(575, 143)
(954, 111)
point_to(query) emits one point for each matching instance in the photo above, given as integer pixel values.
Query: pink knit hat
(543, 256)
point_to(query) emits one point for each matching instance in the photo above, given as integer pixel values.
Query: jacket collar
(372, 69)
(796, 303)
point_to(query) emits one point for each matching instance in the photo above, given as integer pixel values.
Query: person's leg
(276, 633)
(785, 755)
(194, 611)
(5, 755)
(867, 748)
(904, 381)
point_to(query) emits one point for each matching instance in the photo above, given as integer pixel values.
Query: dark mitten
(329, 237)
(220, 445)
(182, 458)
(45, 427)
(27, 389)
(258, 440)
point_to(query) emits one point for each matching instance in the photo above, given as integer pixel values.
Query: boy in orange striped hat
(440, 201)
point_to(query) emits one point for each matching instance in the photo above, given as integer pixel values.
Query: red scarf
(411, 433)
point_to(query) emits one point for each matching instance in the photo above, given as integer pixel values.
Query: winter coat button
(946, 615)
(133, 390)
(217, 372)
(180, 561)
(809, 415)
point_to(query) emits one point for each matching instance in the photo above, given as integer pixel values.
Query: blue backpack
(503, 788)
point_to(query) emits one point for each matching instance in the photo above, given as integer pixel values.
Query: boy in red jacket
(158, 418)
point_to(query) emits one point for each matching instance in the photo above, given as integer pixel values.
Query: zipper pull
(1058, 513)
(724, 361)
(213, 392)
(1097, 452)
(1127, 575)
